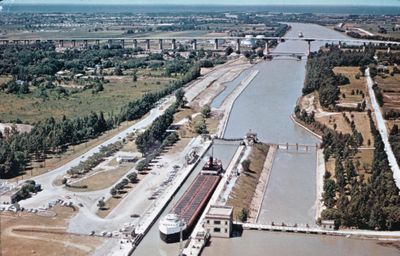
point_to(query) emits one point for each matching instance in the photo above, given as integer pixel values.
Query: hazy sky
(244, 2)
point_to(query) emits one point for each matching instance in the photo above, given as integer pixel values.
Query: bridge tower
(215, 44)
(173, 44)
(238, 45)
(194, 44)
(134, 44)
(160, 44)
(147, 44)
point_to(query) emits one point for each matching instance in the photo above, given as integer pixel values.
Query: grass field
(355, 84)
(5, 79)
(53, 161)
(242, 193)
(102, 179)
(390, 85)
(116, 94)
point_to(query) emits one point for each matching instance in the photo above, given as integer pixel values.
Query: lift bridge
(295, 55)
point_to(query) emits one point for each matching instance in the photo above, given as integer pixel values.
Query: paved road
(383, 130)
(47, 179)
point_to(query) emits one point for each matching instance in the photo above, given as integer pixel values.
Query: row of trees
(320, 76)
(51, 136)
(353, 201)
(95, 159)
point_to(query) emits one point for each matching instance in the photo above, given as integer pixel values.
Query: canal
(265, 107)
(152, 244)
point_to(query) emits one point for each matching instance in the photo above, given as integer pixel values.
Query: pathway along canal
(265, 107)
(152, 244)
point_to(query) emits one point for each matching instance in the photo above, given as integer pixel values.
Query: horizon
(389, 3)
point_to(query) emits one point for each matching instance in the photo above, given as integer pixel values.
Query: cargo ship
(185, 213)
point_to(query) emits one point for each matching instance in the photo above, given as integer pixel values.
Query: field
(390, 86)
(242, 193)
(374, 29)
(43, 235)
(347, 97)
(55, 161)
(102, 179)
(116, 94)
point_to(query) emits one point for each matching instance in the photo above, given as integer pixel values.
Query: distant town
(199, 133)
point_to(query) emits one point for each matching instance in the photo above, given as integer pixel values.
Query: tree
(200, 127)
(243, 215)
(260, 53)
(246, 165)
(134, 77)
(228, 51)
(113, 192)
(132, 177)
(180, 97)
(206, 111)
(118, 71)
(101, 204)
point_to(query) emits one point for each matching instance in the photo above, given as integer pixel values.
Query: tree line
(353, 201)
(320, 76)
(51, 136)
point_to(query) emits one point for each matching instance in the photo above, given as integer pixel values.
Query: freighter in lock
(185, 213)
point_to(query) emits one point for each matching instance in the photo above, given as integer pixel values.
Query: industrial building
(218, 221)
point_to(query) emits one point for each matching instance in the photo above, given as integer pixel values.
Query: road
(47, 179)
(383, 130)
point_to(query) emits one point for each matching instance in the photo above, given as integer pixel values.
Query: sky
(222, 2)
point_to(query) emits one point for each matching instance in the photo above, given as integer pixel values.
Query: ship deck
(195, 197)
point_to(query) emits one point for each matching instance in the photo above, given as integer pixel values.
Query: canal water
(265, 107)
(152, 244)
(229, 87)
(257, 243)
(291, 193)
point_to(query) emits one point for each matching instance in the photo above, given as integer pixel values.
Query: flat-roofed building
(218, 221)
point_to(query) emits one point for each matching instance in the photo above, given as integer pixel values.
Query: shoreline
(305, 127)
(262, 184)
(229, 101)
(319, 184)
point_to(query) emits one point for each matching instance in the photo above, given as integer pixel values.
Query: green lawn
(116, 94)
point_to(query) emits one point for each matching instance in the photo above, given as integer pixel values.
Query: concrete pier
(173, 44)
(135, 44)
(147, 44)
(109, 44)
(216, 44)
(194, 44)
(238, 45)
(122, 42)
(160, 44)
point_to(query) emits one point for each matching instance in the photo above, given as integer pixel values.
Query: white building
(218, 221)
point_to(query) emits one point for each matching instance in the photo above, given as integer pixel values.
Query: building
(218, 221)
(126, 159)
(328, 224)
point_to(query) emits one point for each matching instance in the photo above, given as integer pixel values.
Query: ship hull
(174, 237)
